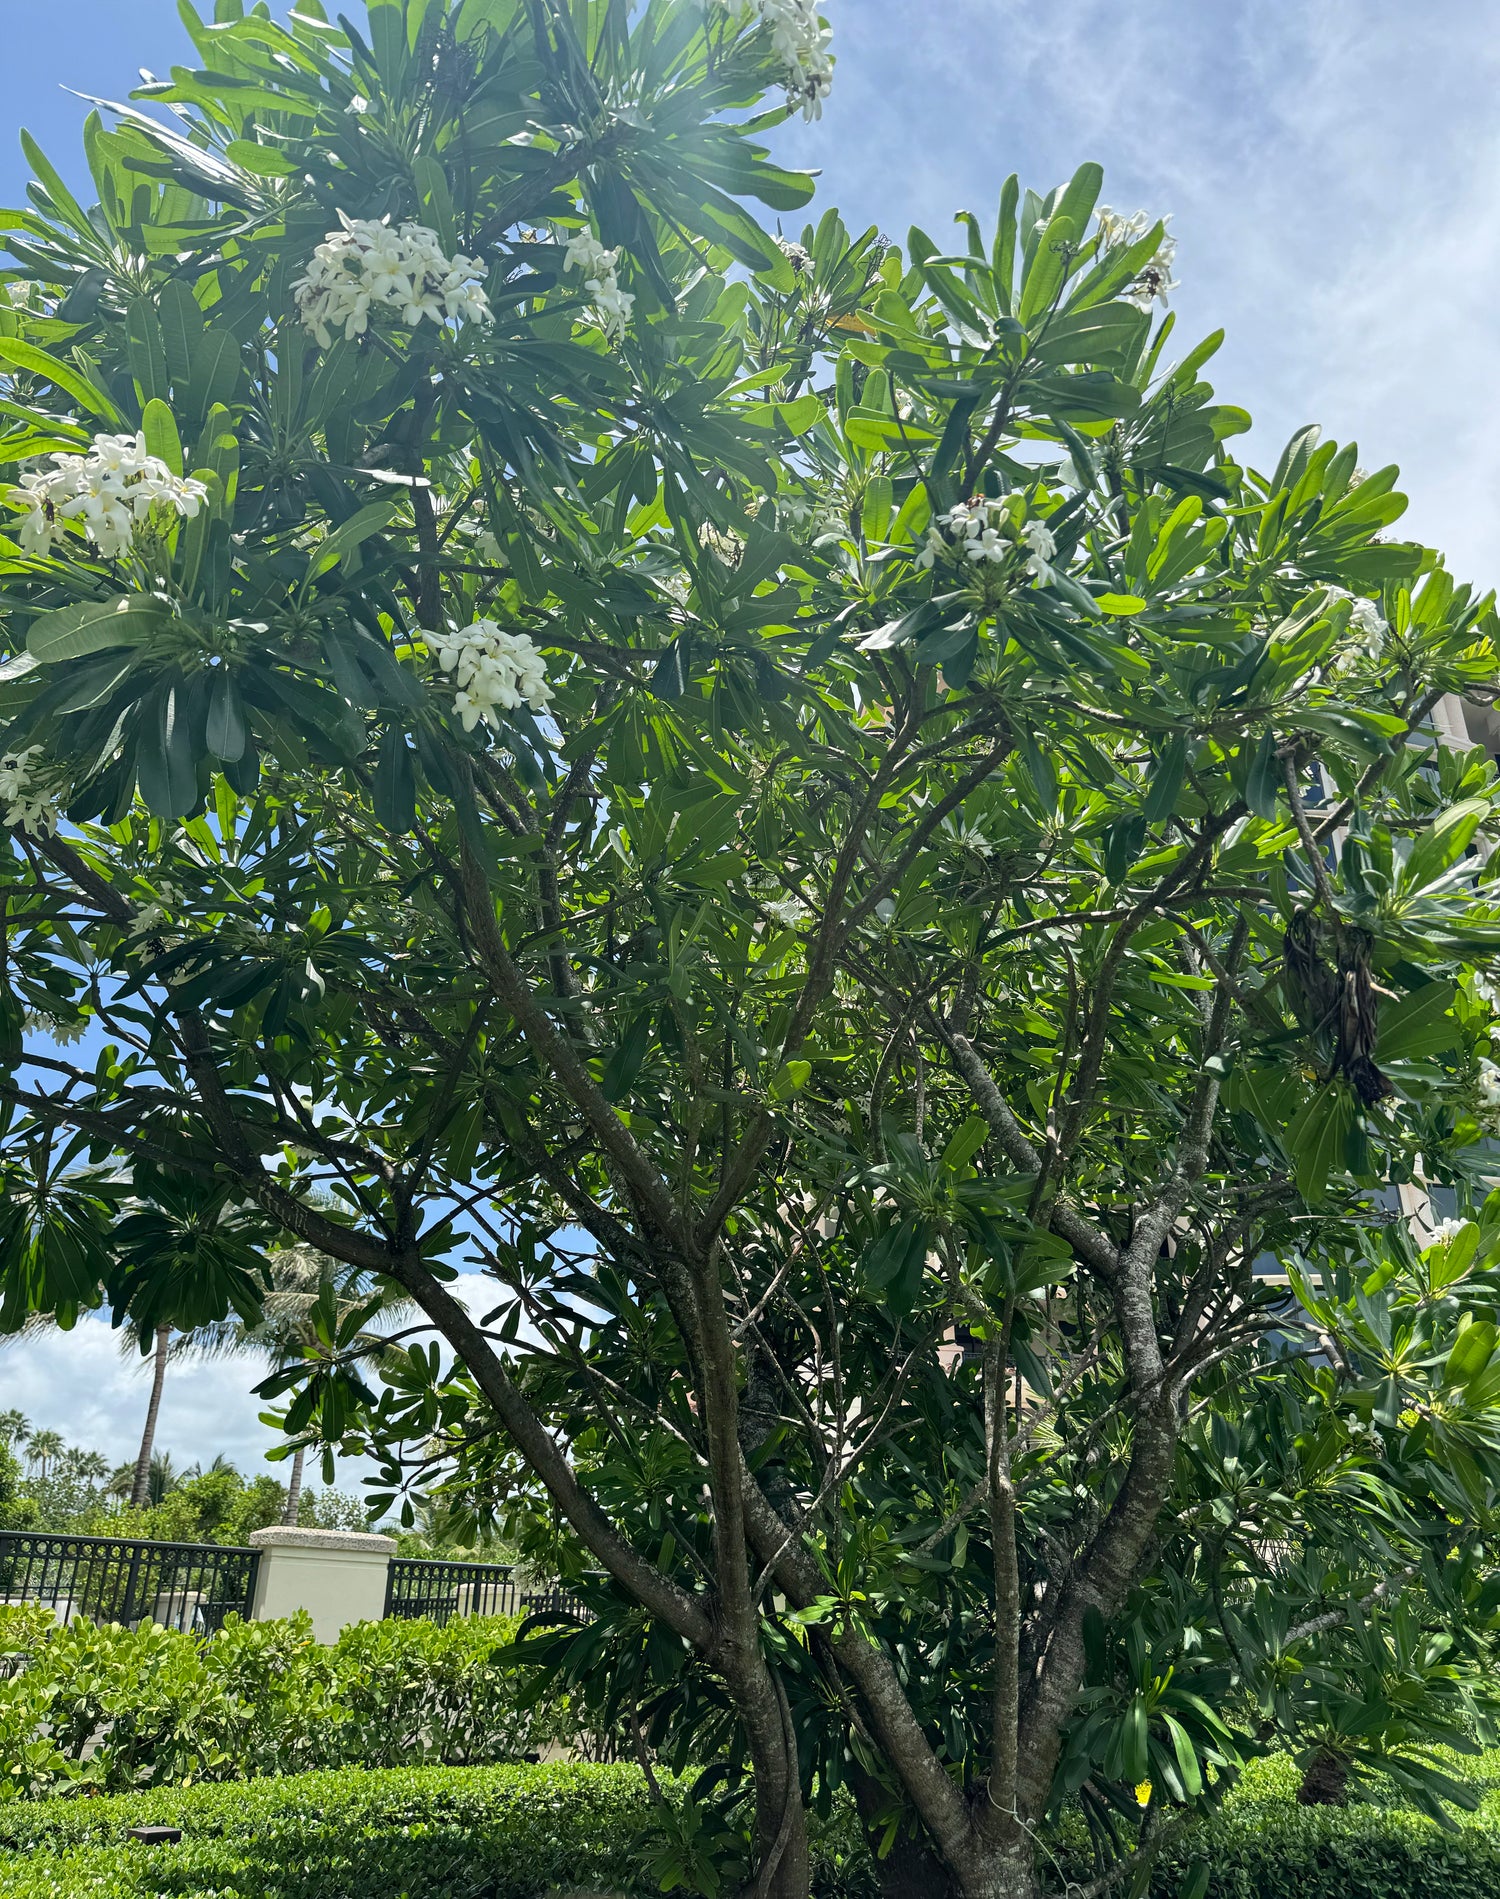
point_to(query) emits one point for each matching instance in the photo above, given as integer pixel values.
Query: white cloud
(78, 1383)
(1329, 169)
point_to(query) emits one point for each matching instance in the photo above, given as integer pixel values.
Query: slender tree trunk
(294, 1487)
(140, 1489)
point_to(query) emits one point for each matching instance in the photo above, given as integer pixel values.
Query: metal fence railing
(191, 1586)
(422, 1586)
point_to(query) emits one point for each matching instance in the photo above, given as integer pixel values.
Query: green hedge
(519, 1832)
(1283, 1851)
(414, 1833)
(112, 1710)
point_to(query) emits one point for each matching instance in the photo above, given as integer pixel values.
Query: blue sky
(1330, 170)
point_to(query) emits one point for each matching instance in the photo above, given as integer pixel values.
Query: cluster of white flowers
(801, 42)
(1367, 625)
(1446, 1230)
(612, 305)
(1154, 279)
(1116, 231)
(54, 1027)
(797, 255)
(1488, 991)
(1489, 1095)
(976, 531)
(727, 545)
(109, 491)
(789, 912)
(369, 265)
(22, 799)
(494, 669)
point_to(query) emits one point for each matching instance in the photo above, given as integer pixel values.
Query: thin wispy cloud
(1329, 169)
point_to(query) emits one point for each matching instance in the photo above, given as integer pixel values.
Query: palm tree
(42, 1448)
(15, 1428)
(161, 1350)
(171, 1241)
(161, 1478)
(303, 1281)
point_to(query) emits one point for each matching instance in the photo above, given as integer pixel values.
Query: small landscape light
(155, 1835)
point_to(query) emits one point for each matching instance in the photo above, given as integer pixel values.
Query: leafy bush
(112, 1709)
(516, 1832)
(505, 1833)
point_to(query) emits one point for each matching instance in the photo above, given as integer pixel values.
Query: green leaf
(94, 626)
(395, 784)
(790, 1079)
(166, 770)
(1166, 781)
(1419, 1024)
(1263, 779)
(262, 161)
(37, 362)
(1439, 848)
(628, 1058)
(1194, 1882)
(159, 426)
(966, 1142)
(227, 733)
(345, 538)
(1315, 1139)
(1121, 605)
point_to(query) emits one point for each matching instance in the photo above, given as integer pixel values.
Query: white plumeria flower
(23, 800)
(64, 1033)
(369, 265)
(494, 669)
(1154, 279)
(1368, 628)
(1116, 232)
(1444, 1231)
(1042, 545)
(1487, 990)
(109, 491)
(789, 912)
(980, 532)
(800, 41)
(596, 265)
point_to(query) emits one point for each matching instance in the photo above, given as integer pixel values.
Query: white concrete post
(338, 1576)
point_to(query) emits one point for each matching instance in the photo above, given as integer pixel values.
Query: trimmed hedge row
(520, 1832)
(116, 1710)
(404, 1833)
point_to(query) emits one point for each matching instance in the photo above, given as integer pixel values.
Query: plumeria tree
(792, 801)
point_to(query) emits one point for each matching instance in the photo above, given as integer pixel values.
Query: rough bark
(294, 1487)
(1326, 1781)
(141, 1487)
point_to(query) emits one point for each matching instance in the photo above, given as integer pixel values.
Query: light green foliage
(105, 1708)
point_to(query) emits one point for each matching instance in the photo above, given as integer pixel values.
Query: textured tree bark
(1326, 1782)
(140, 1488)
(294, 1487)
(910, 1870)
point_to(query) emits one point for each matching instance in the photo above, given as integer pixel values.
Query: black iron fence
(190, 1586)
(419, 1586)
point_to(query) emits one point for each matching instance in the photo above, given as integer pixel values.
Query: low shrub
(404, 1833)
(518, 1832)
(109, 1709)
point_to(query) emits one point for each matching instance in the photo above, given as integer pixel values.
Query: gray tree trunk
(294, 1487)
(140, 1489)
